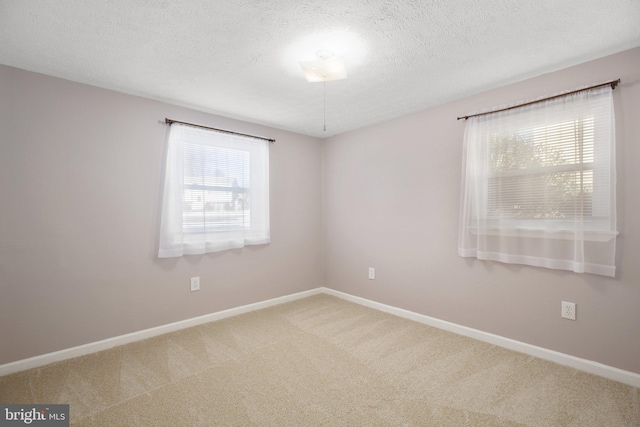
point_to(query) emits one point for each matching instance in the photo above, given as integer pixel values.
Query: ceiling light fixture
(326, 68)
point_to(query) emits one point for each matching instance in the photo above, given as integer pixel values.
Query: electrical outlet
(372, 273)
(195, 284)
(568, 310)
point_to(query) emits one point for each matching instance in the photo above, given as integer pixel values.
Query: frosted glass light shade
(324, 70)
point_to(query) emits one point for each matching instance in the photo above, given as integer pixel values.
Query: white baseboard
(81, 350)
(626, 377)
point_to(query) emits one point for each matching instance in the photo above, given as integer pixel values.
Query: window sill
(592, 236)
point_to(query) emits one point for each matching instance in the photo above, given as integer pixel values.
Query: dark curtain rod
(612, 83)
(169, 121)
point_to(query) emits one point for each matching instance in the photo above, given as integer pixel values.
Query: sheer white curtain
(216, 192)
(538, 185)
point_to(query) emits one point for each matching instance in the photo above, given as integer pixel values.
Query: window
(539, 185)
(216, 192)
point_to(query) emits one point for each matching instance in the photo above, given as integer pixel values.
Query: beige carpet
(321, 361)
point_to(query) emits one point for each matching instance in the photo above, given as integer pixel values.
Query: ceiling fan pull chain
(324, 89)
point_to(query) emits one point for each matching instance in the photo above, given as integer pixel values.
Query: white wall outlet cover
(372, 273)
(568, 310)
(195, 284)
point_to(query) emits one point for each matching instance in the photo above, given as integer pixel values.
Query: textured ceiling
(240, 58)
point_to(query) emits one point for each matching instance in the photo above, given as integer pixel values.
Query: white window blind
(216, 192)
(538, 184)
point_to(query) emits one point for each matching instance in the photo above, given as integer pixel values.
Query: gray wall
(80, 177)
(391, 201)
(80, 173)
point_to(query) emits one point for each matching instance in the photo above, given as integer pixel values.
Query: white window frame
(568, 225)
(213, 222)
(596, 225)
